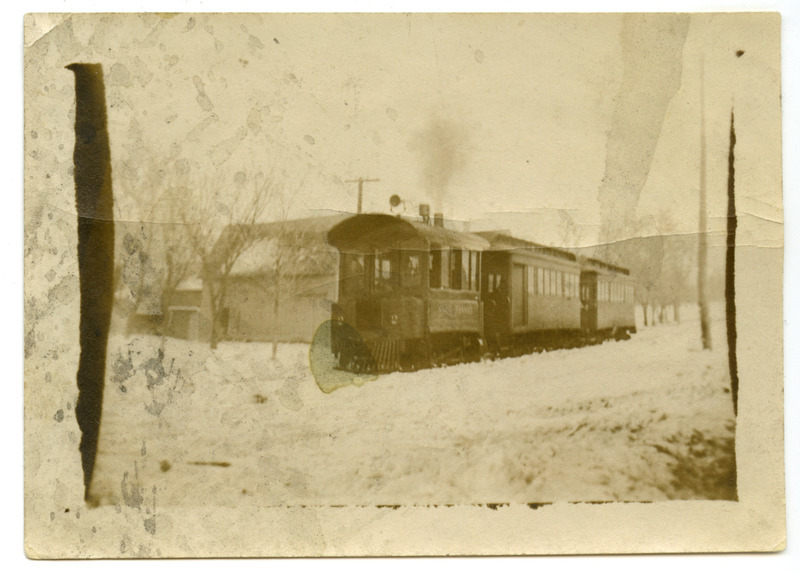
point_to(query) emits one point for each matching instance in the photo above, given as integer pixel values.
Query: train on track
(414, 295)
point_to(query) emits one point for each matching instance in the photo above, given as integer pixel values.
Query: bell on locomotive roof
(398, 206)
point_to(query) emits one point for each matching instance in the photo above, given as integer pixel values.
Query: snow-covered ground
(646, 419)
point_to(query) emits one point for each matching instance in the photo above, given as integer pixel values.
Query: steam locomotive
(414, 295)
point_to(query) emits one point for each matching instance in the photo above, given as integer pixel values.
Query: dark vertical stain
(94, 201)
(730, 286)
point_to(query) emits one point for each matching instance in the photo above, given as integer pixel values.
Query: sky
(546, 125)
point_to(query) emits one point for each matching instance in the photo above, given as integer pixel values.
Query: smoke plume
(442, 146)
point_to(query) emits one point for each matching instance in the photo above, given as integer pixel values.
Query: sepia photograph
(402, 284)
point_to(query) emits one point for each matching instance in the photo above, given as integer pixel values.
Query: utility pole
(702, 251)
(360, 182)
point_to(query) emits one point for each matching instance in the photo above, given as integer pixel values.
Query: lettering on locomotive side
(462, 315)
(458, 309)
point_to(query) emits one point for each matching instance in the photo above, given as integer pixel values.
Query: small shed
(187, 315)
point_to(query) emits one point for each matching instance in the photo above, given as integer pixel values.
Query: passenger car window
(411, 274)
(353, 279)
(455, 269)
(384, 276)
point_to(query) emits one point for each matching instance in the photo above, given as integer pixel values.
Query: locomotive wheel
(415, 357)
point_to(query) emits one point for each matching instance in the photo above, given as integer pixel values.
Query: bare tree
(154, 251)
(662, 261)
(643, 255)
(234, 209)
(280, 261)
(674, 283)
(170, 245)
(288, 254)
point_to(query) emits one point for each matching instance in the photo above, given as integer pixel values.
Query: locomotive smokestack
(425, 213)
(438, 220)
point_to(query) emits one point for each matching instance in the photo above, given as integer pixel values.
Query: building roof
(361, 233)
(269, 257)
(309, 230)
(299, 244)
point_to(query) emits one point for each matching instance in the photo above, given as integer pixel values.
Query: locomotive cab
(409, 290)
(380, 287)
